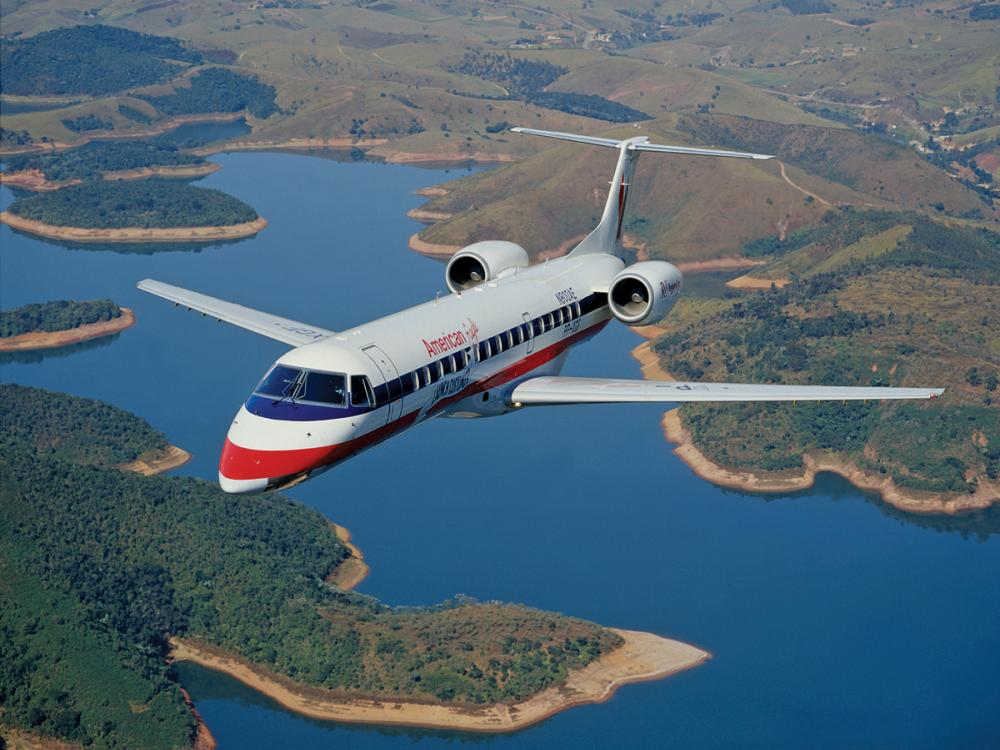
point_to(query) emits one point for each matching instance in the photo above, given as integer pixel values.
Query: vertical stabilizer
(606, 236)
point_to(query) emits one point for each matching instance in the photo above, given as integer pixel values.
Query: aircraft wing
(291, 332)
(565, 390)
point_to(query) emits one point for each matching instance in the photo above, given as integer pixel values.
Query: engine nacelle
(481, 262)
(643, 293)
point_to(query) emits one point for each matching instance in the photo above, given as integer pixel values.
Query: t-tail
(606, 236)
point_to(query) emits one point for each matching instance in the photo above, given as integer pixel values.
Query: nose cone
(241, 486)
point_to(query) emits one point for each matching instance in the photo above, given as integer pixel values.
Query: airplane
(494, 345)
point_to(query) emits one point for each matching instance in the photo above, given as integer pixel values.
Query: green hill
(92, 60)
(921, 310)
(113, 562)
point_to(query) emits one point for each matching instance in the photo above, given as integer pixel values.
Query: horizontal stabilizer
(566, 390)
(640, 143)
(290, 332)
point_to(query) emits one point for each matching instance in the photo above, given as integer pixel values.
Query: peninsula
(55, 324)
(247, 586)
(640, 657)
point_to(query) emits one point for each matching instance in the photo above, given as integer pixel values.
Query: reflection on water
(199, 133)
(710, 283)
(211, 687)
(39, 355)
(131, 248)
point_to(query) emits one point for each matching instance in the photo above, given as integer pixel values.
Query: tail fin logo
(622, 198)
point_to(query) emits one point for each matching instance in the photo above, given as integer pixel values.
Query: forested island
(156, 210)
(114, 563)
(98, 159)
(59, 323)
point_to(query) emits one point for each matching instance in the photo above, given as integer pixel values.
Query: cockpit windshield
(294, 384)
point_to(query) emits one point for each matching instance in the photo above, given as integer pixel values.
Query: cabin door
(389, 374)
(531, 338)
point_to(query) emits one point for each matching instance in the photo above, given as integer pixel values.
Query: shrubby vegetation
(923, 312)
(83, 123)
(114, 562)
(56, 316)
(147, 204)
(218, 90)
(93, 60)
(587, 105)
(91, 160)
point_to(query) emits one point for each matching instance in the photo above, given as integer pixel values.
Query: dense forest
(922, 310)
(526, 79)
(94, 60)
(85, 123)
(56, 316)
(123, 561)
(92, 159)
(587, 105)
(149, 204)
(218, 90)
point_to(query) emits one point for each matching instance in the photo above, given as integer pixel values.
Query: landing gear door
(531, 338)
(389, 373)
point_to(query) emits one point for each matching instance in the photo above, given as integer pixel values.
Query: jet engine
(483, 261)
(643, 293)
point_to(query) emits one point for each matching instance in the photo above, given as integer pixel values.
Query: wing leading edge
(566, 390)
(290, 332)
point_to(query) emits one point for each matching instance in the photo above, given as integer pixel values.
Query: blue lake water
(833, 622)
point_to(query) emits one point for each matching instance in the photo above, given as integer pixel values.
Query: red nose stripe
(245, 463)
(238, 462)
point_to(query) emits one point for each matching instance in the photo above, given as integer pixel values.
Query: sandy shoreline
(53, 339)
(642, 657)
(354, 569)
(169, 458)
(910, 501)
(750, 282)
(134, 234)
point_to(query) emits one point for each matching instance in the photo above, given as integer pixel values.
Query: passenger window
(437, 370)
(550, 321)
(484, 352)
(448, 364)
(576, 310)
(566, 318)
(326, 388)
(496, 344)
(536, 327)
(510, 339)
(408, 383)
(361, 391)
(425, 377)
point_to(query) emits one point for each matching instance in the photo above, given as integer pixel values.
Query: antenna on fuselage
(606, 236)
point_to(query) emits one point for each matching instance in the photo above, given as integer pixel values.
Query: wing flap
(290, 332)
(567, 390)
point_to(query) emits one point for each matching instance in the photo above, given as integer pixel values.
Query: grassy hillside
(919, 308)
(126, 560)
(686, 209)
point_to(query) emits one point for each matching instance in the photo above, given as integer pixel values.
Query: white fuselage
(459, 355)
